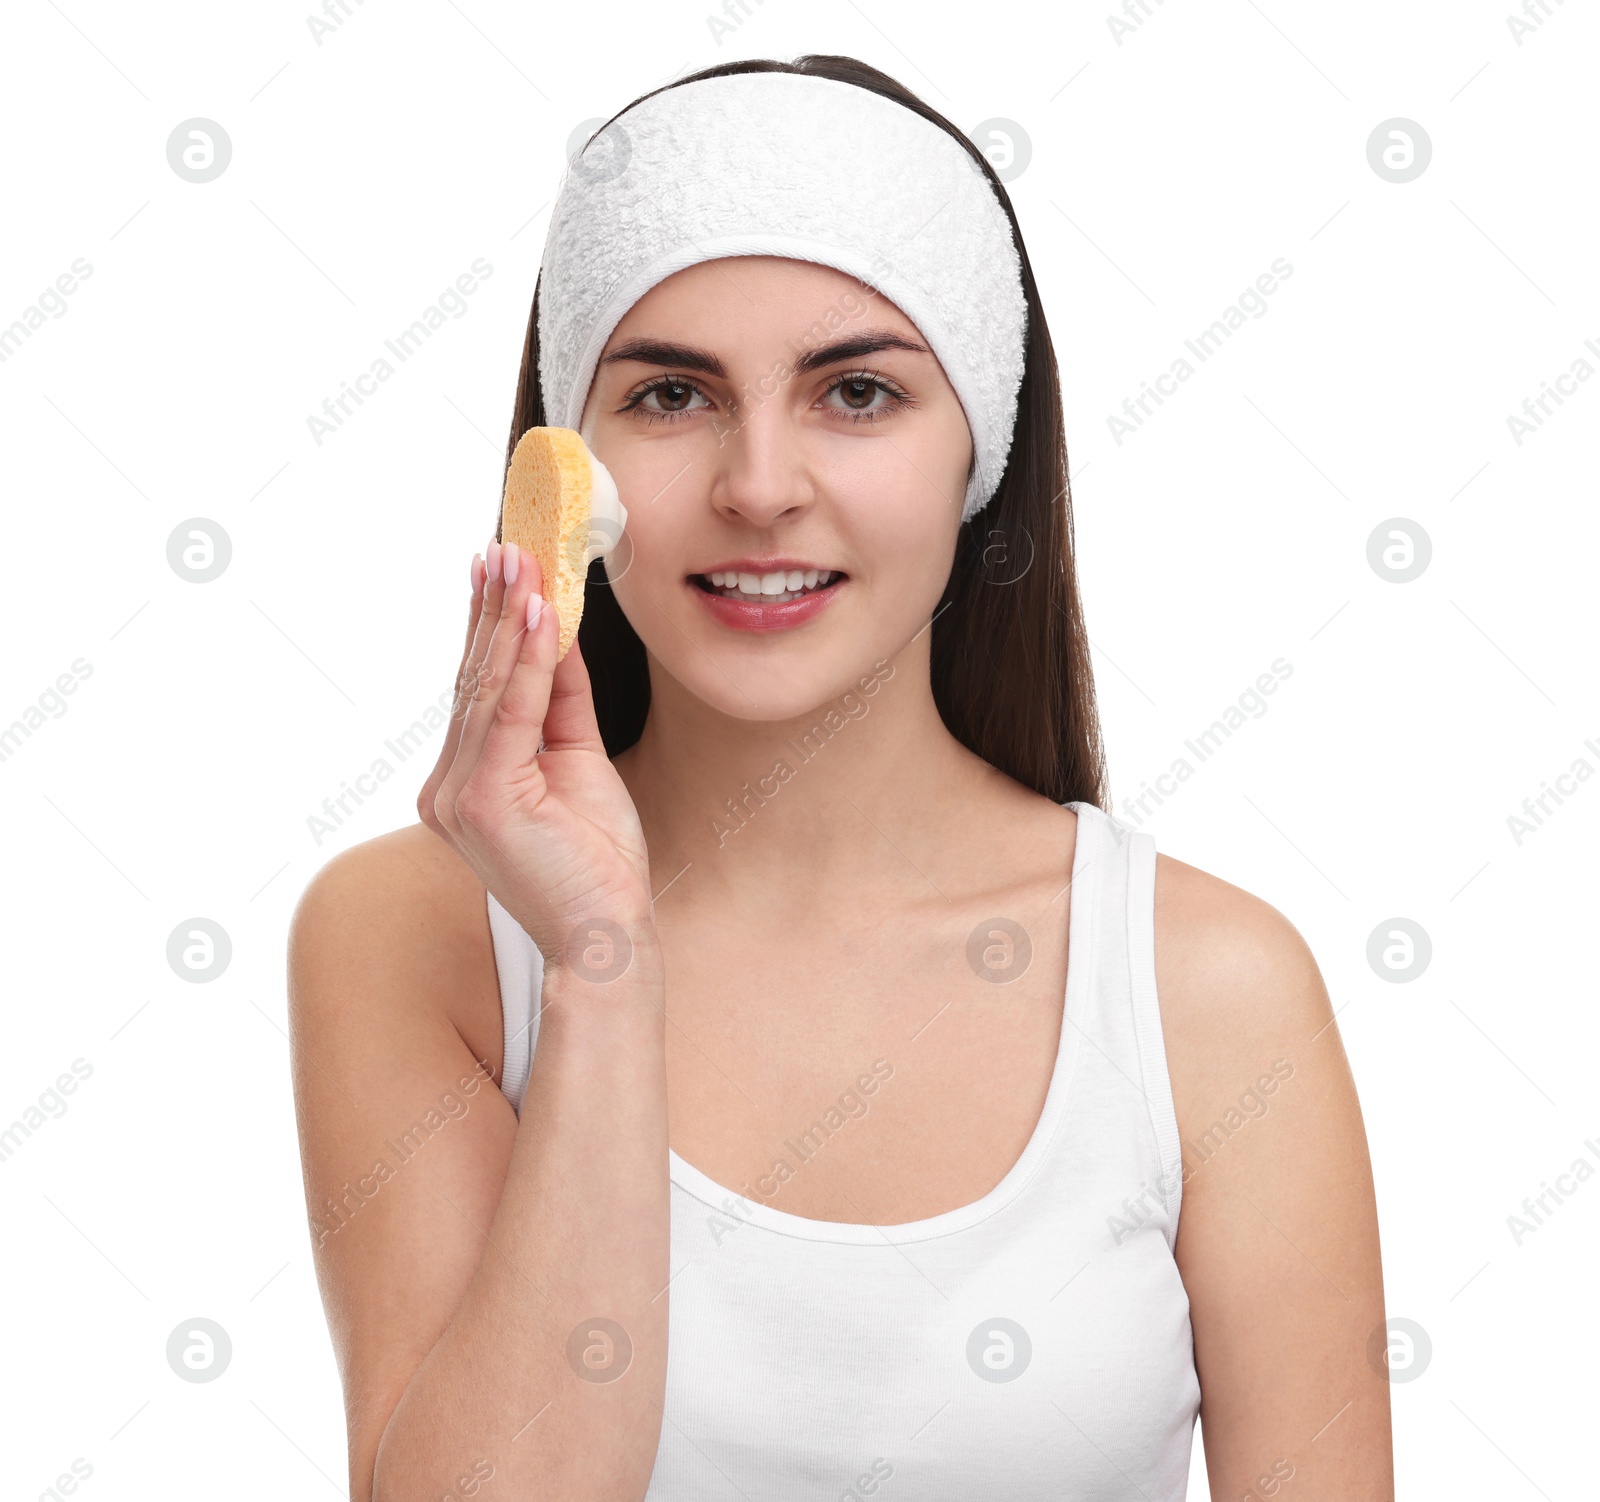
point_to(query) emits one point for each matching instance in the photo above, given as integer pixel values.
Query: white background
(1167, 170)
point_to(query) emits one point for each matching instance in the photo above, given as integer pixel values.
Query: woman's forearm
(552, 1369)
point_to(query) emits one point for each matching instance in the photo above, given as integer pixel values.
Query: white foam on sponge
(608, 517)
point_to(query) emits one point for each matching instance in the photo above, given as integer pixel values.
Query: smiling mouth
(768, 589)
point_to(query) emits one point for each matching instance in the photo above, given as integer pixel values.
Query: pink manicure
(511, 559)
(494, 563)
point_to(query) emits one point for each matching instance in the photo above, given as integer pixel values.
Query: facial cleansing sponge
(561, 505)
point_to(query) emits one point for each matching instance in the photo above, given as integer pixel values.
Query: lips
(745, 610)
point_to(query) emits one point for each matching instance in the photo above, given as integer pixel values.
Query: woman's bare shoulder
(1249, 1033)
(1228, 962)
(406, 907)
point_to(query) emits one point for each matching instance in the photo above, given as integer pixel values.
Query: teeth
(774, 588)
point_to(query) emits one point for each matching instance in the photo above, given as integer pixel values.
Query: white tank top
(1033, 1344)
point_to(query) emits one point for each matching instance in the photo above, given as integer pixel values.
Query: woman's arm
(1278, 1231)
(457, 1249)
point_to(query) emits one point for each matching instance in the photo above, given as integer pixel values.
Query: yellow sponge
(561, 505)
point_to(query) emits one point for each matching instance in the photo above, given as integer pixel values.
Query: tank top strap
(520, 967)
(1124, 1043)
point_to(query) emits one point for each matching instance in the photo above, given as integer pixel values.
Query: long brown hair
(1010, 665)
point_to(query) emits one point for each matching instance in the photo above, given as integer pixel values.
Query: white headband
(789, 164)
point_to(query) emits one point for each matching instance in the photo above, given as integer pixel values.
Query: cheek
(656, 488)
(649, 589)
(922, 462)
(905, 510)
(903, 539)
(652, 560)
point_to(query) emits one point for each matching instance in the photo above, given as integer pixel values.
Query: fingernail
(535, 611)
(494, 563)
(511, 561)
(476, 562)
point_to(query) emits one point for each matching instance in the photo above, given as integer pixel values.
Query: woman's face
(732, 459)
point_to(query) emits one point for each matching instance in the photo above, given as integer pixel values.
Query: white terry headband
(789, 164)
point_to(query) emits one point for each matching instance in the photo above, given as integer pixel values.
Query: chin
(774, 690)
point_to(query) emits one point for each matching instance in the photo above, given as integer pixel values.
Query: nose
(762, 469)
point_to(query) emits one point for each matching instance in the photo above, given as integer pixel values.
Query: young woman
(766, 1071)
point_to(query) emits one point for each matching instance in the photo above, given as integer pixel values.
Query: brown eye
(665, 400)
(673, 396)
(859, 398)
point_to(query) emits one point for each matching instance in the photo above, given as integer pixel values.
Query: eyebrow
(689, 357)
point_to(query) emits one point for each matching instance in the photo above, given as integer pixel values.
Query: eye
(860, 389)
(675, 395)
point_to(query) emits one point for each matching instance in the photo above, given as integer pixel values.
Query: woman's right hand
(523, 788)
